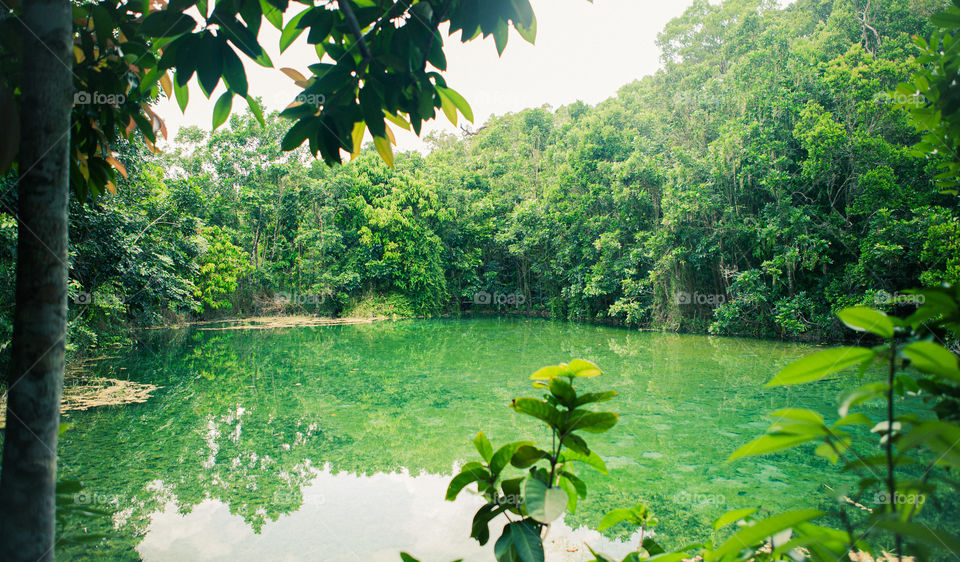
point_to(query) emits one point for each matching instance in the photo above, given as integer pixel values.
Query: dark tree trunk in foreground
(29, 469)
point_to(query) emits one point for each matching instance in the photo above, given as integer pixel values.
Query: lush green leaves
(867, 320)
(818, 365)
(543, 504)
(760, 531)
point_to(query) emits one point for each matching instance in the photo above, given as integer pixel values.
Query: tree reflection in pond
(246, 421)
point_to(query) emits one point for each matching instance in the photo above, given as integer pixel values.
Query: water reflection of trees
(244, 417)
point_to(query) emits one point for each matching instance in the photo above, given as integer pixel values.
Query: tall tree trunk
(29, 469)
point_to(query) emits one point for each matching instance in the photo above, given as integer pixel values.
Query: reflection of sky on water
(352, 518)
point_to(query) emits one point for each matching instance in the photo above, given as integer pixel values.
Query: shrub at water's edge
(904, 463)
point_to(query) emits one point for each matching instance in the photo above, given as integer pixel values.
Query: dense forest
(762, 180)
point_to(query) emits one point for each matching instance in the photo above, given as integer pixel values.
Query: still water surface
(337, 442)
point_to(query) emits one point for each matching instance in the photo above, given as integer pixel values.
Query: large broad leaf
(863, 394)
(167, 23)
(538, 409)
(526, 456)
(565, 393)
(798, 414)
(933, 358)
(502, 457)
(547, 373)
(922, 533)
(864, 319)
(615, 517)
(520, 540)
(581, 368)
(818, 365)
(221, 110)
(591, 397)
(384, 149)
(593, 422)
(942, 438)
(732, 517)
(756, 534)
(291, 31)
(593, 460)
(458, 101)
(770, 443)
(480, 528)
(572, 494)
(483, 446)
(543, 504)
(470, 473)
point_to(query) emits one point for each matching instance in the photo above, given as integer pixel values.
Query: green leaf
(523, 539)
(243, 39)
(668, 557)
(593, 422)
(255, 109)
(572, 494)
(579, 485)
(221, 110)
(857, 418)
(582, 368)
(864, 319)
(384, 149)
(798, 414)
(538, 409)
(500, 36)
(547, 373)
(732, 517)
(449, 109)
(543, 504)
(593, 460)
(942, 438)
(617, 516)
(922, 533)
(460, 103)
(527, 30)
(233, 72)
(526, 456)
(470, 473)
(818, 365)
(591, 397)
(480, 528)
(948, 20)
(564, 392)
(272, 14)
(757, 533)
(182, 93)
(404, 557)
(167, 23)
(576, 443)
(299, 132)
(483, 446)
(861, 395)
(291, 31)
(209, 63)
(768, 444)
(503, 455)
(932, 358)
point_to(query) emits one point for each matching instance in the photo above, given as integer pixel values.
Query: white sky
(584, 51)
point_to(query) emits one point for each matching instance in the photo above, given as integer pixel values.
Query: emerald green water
(336, 442)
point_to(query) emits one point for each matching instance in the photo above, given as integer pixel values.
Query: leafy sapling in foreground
(907, 463)
(533, 486)
(642, 518)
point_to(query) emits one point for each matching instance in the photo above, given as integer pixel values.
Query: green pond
(337, 442)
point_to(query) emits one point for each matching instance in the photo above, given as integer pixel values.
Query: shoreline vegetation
(750, 191)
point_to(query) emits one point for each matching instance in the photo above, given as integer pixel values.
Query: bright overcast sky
(584, 51)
